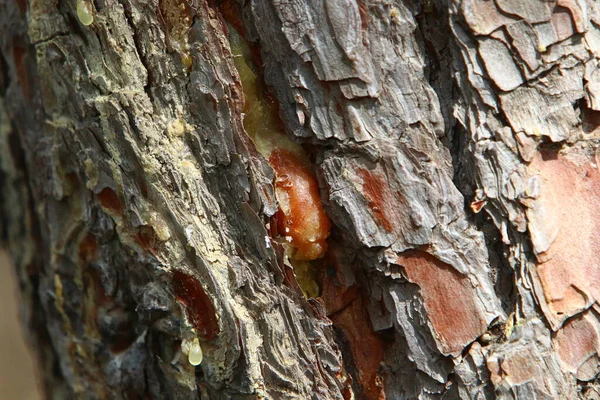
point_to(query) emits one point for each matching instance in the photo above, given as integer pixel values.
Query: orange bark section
(365, 345)
(302, 217)
(577, 343)
(198, 307)
(565, 217)
(374, 189)
(345, 307)
(449, 299)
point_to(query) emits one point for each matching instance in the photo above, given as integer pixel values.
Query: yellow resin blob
(85, 12)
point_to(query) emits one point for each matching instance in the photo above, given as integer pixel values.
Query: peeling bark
(454, 145)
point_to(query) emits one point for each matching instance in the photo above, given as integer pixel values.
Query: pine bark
(455, 147)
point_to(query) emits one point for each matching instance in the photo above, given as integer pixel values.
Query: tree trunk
(157, 206)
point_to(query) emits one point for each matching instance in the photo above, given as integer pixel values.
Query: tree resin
(85, 12)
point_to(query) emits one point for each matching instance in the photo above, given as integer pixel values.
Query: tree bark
(454, 144)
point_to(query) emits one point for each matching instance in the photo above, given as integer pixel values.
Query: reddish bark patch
(347, 390)
(337, 296)
(344, 305)
(366, 347)
(577, 13)
(231, 12)
(87, 248)
(303, 219)
(577, 343)
(563, 223)
(515, 368)
(376, 191)
(109, 200)
(198, 307)
(19, 54)
(562, 23)
(484, 17)
(336, 292)
(449, 298)
(364, 19)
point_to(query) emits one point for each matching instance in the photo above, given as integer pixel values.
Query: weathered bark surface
(455, 148)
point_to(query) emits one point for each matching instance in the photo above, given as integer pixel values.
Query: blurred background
(17, 378)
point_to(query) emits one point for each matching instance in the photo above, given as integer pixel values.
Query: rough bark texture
(455, 145)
